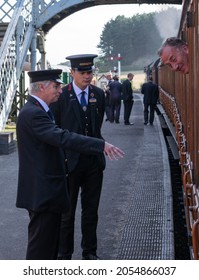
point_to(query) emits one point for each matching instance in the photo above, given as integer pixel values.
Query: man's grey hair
(172, 42)
(34, 87)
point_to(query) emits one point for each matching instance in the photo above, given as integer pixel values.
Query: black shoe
(129, 123)
(106, 120)
(90, 257)
(145, 123)
(151, 123)
(64, 257)
(117, 122)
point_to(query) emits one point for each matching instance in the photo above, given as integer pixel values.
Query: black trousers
(43, 236)
(115, 110)
(88, 177)
(107, 107)
(127, 110)
(149, 115)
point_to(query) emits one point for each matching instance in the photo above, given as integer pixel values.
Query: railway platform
(135, 214)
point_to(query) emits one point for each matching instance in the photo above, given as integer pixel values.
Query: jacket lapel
(92, 103)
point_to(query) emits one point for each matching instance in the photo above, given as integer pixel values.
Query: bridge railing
(13, 52)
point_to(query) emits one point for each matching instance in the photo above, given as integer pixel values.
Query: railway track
(181, 241)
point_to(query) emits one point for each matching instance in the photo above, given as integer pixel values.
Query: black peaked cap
(82, 62)
(46, 75)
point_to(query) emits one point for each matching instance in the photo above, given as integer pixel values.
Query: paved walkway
(135, 215)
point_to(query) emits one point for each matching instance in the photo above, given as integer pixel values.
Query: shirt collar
(78, 90)
(43, 104)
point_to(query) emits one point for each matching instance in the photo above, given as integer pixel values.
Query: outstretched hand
(113, 152)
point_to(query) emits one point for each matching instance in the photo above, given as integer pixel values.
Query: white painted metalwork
(13, 51)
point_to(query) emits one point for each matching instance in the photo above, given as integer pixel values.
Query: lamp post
(119, 66)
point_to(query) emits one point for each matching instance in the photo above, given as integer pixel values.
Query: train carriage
(179, 95)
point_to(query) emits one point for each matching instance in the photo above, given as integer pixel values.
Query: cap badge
(92, 100)
(85, 64)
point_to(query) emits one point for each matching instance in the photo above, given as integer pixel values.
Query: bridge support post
(34, 51)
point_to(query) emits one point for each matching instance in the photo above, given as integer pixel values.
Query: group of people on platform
(115, 92)
(62, 152)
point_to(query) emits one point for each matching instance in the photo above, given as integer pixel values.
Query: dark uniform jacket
(151, 93)
(42, 184)
(127, 91)
(116, 90)
(69, 114)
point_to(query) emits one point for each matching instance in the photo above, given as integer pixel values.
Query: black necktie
(83, 100)
(51, 115)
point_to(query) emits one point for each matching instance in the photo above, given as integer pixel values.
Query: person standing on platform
(115, 99)
(127, 96)
(174, 52)
(42, 181)
(80, 109)
(109, 78)
(151, 95)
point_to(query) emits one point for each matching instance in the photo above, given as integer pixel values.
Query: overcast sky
(80, 32)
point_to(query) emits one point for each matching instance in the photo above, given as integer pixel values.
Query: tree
(136, 38)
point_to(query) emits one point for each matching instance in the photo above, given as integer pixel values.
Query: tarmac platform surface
(135, 214)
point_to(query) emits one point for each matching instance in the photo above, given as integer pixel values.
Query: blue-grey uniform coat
(42, 184)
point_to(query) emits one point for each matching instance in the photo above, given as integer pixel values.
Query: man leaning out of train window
(174, 53)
